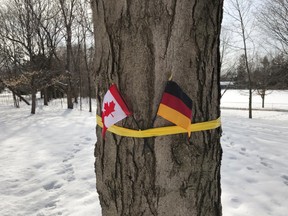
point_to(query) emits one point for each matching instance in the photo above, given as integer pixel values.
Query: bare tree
(272, 17)
(84, 20)
(29, 36)
(262, 77)
(227, 64)
(48, 28)
(138, 44)
(67, 10)
(240, 12)
(19, 31)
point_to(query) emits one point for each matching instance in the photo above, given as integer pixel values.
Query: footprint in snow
(233, 158)
(69, 157)
(285, 177)
(52, 204)
(265, 163)
(68, 169)
(251, 180)
(235, 202)
(88, 139)
(243, 152)
(52, 185)
(38, 165)
(76, 150)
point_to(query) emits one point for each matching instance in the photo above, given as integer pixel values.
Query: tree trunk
(45, 94)
(88, 73)
(250, 101)
(263, 99)
(69, 94)
(33, 103)
(69, 67)
(16, 101)
(33, 95)
(89, 91)
(138, 45)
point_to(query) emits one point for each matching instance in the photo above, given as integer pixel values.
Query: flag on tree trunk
(176, 106)
(114, 108)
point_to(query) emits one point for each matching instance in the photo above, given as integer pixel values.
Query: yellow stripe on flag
(174, 116)
(161, 131)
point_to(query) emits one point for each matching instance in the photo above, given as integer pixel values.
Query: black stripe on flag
(175, 90)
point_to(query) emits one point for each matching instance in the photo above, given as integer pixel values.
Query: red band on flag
(177, 104)
(114, 91)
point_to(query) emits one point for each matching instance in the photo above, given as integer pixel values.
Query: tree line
(47, 46)
(266, 72)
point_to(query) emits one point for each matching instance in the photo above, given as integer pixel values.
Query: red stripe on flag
(177, 104)
(114, 91)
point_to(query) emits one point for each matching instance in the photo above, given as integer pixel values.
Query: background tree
(240, 12)
(20, 32)
(279, 72)
(32, 41)
(138, 44)
(83, 56)
(272, 17)
(67, 9)
(241, 78)
(262, 79)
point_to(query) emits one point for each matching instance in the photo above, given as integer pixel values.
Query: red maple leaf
(109, 108)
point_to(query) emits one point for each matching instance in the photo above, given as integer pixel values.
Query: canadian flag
(114, 108)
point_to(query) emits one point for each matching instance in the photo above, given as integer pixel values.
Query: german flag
(176, 106)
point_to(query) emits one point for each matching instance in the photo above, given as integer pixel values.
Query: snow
(47, 159)
(254, 173)
(274, 100)
(47, 162)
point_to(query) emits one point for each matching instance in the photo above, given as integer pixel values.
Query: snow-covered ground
(254, 172)
(274, 100)
(254, 168)
(47, 161)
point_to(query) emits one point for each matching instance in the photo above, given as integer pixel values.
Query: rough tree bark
(138, 45)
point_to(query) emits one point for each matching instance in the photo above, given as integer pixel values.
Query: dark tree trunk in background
(33, 103)
(45, 94)
(88, 74)
(263, 98)
(69, 83)
(16, 101)
(33, 95)
(67, 14)
(138, 45)
(89, 91)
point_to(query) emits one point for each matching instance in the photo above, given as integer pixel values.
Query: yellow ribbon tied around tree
(160, 131)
